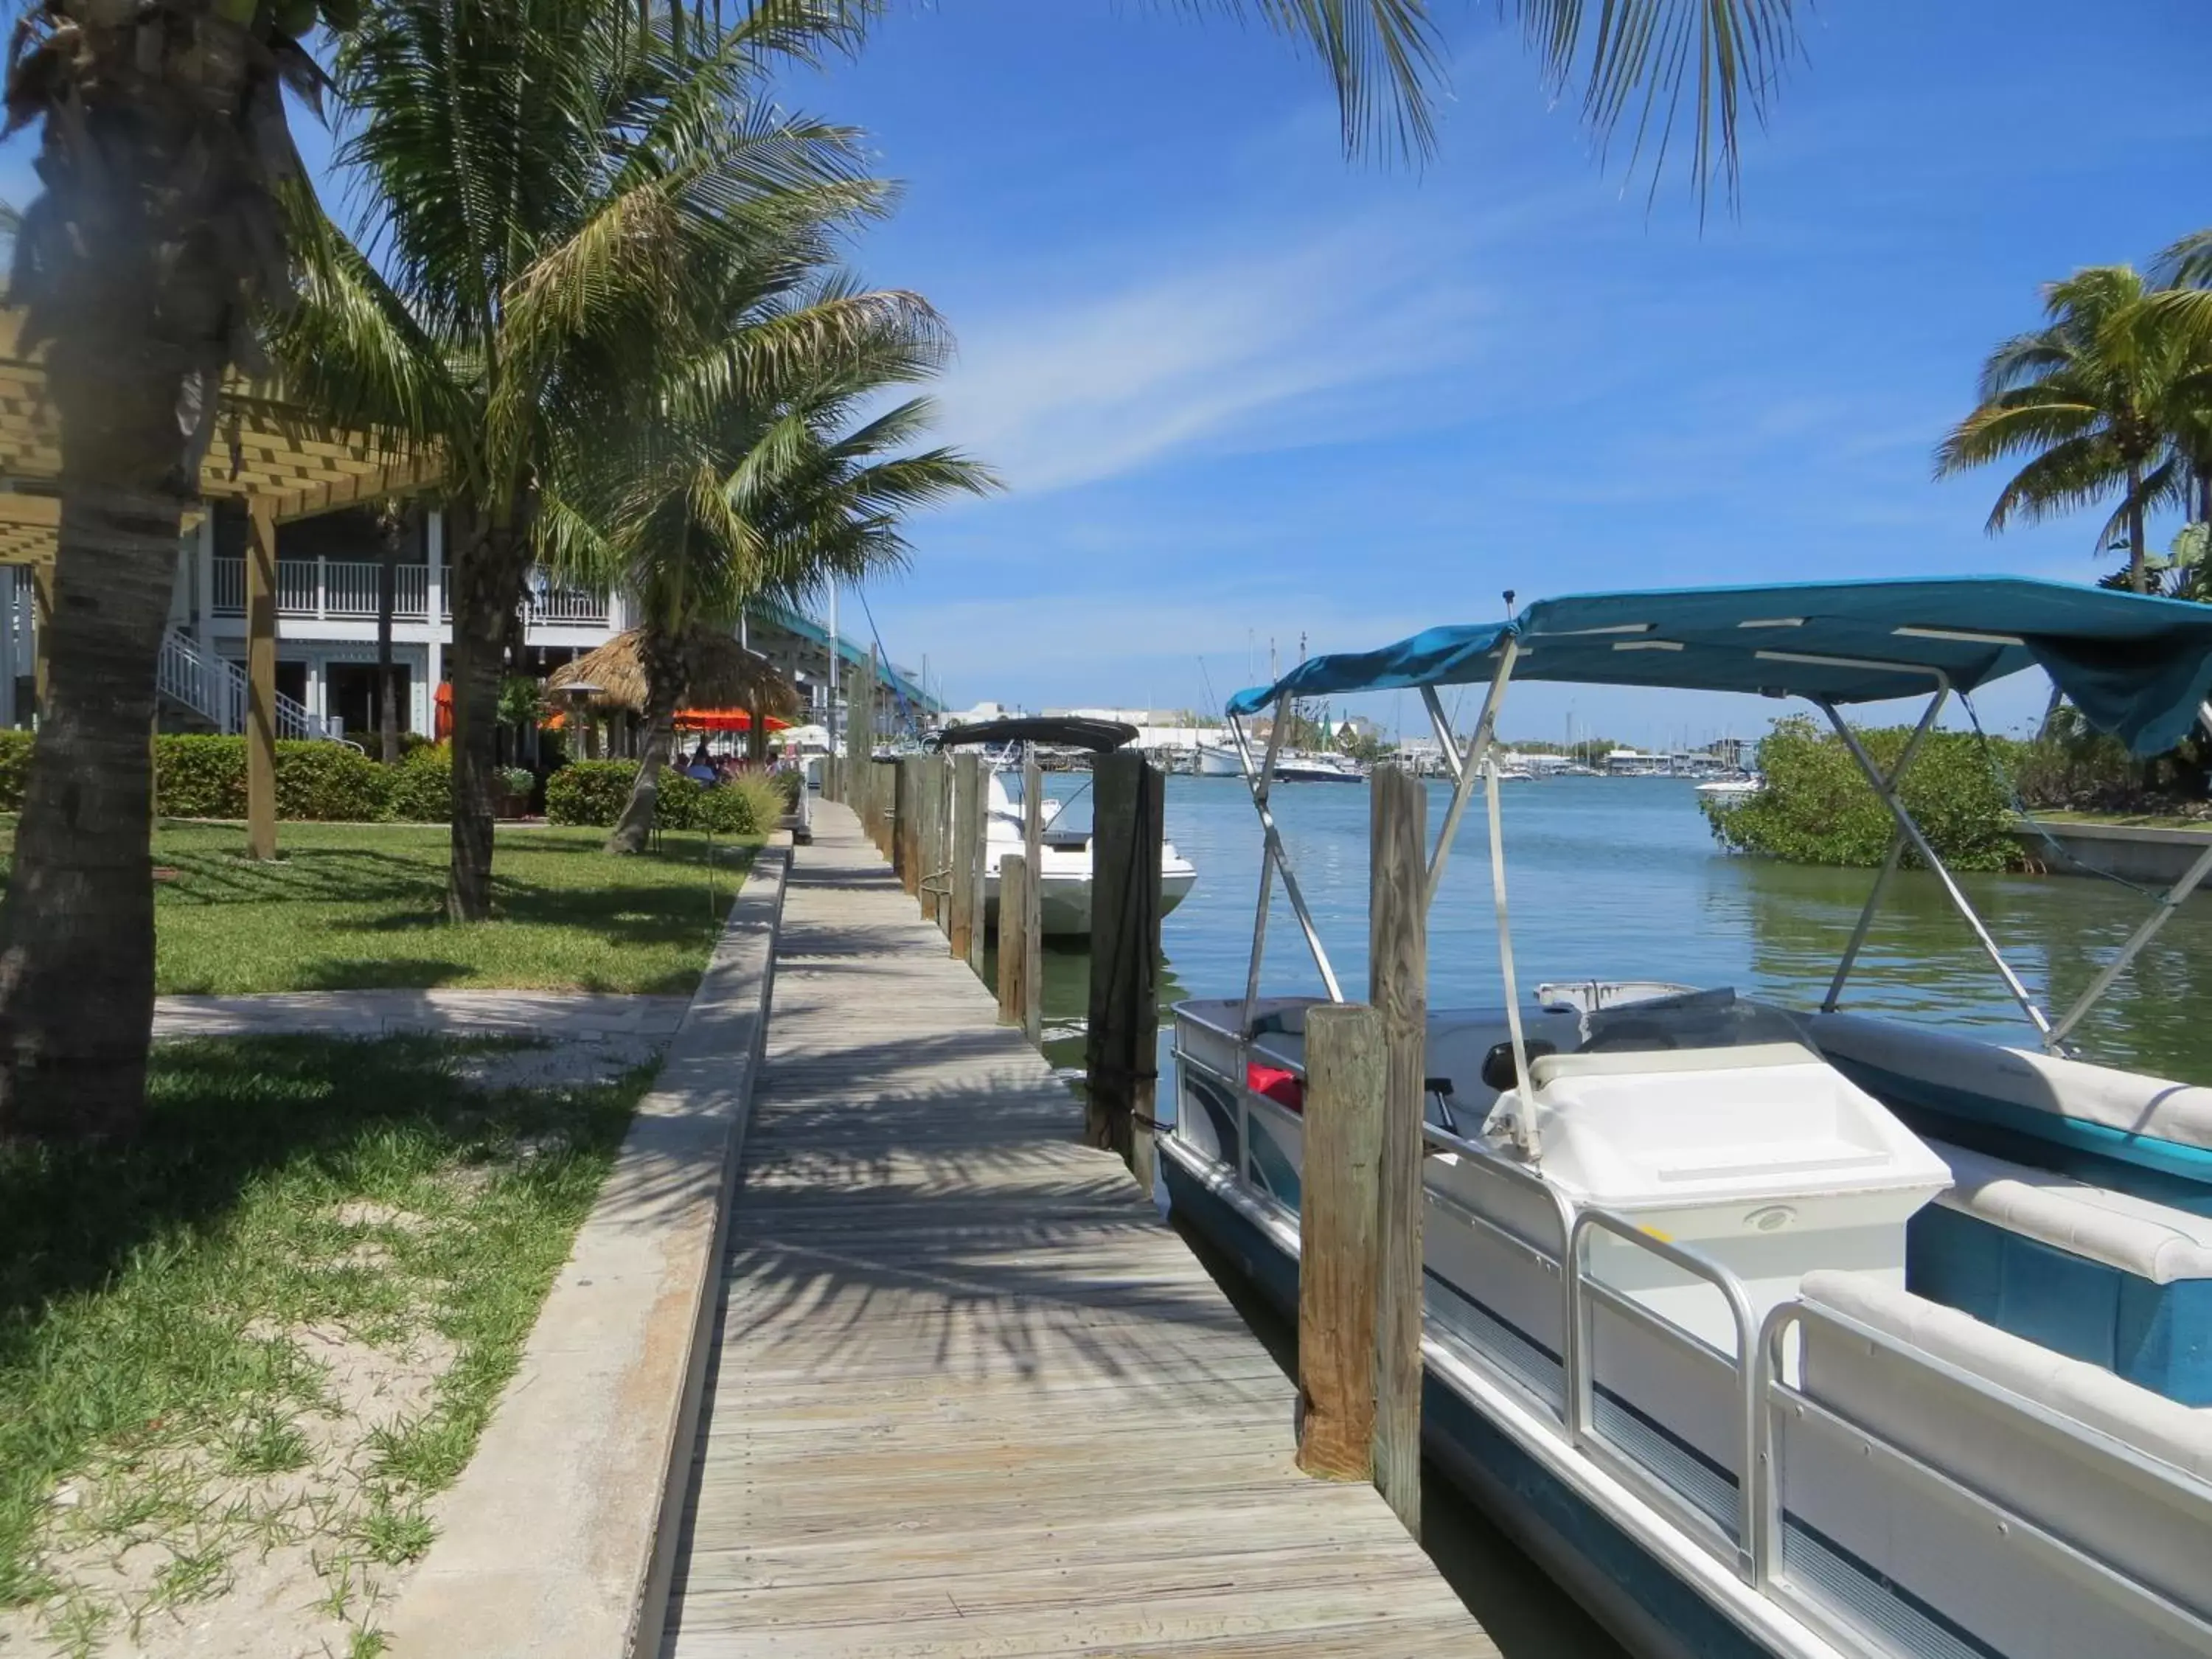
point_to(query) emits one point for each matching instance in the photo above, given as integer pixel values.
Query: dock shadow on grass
(238, 1357)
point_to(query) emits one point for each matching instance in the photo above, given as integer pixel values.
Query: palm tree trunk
(488, 579)
(637, 814)
(661, 654)
(2138, 558)
(388, 586)
(76, 933)
(2049, 714)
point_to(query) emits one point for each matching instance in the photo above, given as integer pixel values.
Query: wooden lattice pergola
(274, 457)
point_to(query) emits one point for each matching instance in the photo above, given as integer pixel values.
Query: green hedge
(420, 789)
(1818, 808)
(200, 776)
(15, 769)
(595, 792)
(589, 792)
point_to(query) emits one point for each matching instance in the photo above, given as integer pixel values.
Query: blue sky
(1243, 389)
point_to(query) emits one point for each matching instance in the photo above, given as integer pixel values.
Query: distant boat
(1291, 766)
(1298, 765)
(1726, 790)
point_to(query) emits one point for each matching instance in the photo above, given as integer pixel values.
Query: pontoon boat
(1774, 1332)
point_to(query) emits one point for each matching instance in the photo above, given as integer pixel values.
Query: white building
(327, 572)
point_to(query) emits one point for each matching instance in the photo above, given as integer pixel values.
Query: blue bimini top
(2136, 667)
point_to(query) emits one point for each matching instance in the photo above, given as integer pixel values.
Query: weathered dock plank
(972, 1399)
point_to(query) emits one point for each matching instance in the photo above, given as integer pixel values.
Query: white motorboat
(1318, 766)
(1064, 897)
(1064, 849)
(1291, 766)
(1777, 1333)
(1726, 791)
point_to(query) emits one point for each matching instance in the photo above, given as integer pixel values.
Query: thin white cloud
(1226, 352)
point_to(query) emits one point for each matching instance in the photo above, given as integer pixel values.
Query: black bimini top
(1099, 737)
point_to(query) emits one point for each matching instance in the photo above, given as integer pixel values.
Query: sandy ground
(277, 1566)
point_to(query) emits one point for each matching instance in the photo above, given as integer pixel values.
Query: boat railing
(1580, 1293)
(1581, 1430)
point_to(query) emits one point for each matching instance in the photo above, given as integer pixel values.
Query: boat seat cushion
(2137, 1236)
(2119, 1281)
(2151, 1521)
(2175, 1434)
(2125, 1102)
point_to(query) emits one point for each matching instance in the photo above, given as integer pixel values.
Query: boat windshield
(1695, 1019)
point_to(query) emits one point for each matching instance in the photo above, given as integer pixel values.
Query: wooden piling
(940, 843)
(1121, 1044)
(907, 831)
(1031, 936)
(929, 800)
(977, 852)
(1018, 996)
(959, 856)
(1397, 987)
(1340, 1242)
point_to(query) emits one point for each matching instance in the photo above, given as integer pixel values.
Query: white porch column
(203, 570)
(180, 582)
(435, 578)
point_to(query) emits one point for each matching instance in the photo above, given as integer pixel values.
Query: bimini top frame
(2137, 667)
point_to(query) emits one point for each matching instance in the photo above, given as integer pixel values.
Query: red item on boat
(1284, 1088)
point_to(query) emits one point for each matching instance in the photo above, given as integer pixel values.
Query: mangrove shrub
(1818, 808)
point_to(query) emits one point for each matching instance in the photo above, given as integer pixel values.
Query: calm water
(1619, 877)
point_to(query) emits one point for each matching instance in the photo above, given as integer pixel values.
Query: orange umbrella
(722, 719)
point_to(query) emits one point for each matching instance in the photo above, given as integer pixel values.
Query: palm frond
(2187, 263)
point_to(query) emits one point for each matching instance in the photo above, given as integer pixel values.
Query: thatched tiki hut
(718, 674)
(709, 669)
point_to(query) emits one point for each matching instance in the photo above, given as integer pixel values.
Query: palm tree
(753, 473)
(1660, 66)
(2185, 306)
(2089, 398)
(139, 267)
(395, 525)
(525, 265)
(524, 170)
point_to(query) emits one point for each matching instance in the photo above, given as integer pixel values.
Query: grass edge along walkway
(361, 906)
(272, 1328)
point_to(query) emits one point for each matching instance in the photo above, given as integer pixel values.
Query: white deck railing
(345, 590)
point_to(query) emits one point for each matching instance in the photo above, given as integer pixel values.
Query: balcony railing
(344, 590)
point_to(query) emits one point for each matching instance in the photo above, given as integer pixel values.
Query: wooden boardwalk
(972, 1397)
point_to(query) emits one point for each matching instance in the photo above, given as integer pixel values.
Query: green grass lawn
(246, 1350)
(354, 906)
